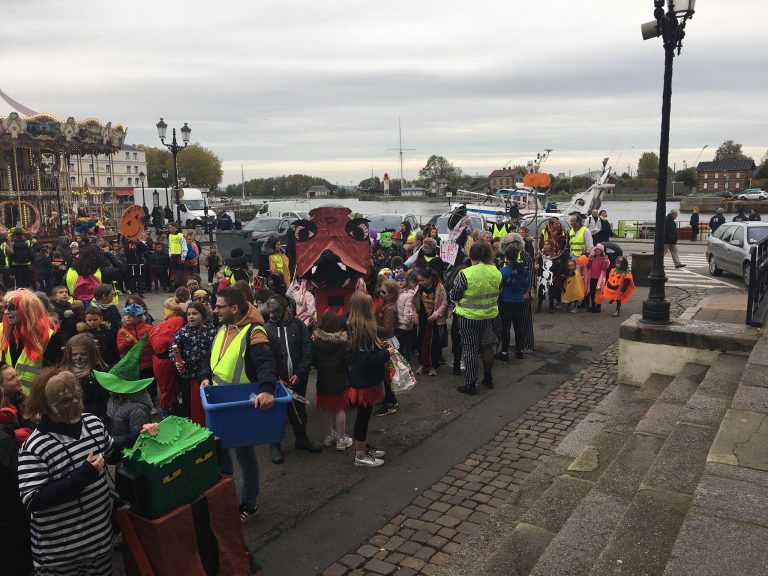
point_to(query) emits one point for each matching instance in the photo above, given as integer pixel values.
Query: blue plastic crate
(231, 416)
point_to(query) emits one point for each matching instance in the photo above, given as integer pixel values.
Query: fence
(757, 293)
(645, 230)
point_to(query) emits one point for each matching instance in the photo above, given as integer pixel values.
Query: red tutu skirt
(366, 396)
(333, 402)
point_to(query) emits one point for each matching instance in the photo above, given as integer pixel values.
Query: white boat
(592, 197)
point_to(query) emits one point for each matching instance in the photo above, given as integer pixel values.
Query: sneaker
(330, 440)
(462, 367)
(343, 443)
(469, 390)
(246, 513)
(519, 355)
(385, 409)
(368, 461)
(503, 356)
(371, 450)
(679, 265)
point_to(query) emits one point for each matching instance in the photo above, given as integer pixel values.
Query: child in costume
(573, 287)
(134, 328)
(595, 274)
(193, 342)
(160, 340)
(82, 357)
(620, 284)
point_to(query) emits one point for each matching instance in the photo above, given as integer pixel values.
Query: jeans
(249, 466)
(511, 314)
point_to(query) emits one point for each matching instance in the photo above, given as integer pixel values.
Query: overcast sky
(317, 86)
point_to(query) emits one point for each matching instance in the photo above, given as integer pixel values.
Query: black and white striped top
(77, 529)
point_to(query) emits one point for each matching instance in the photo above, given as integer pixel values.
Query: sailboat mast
(242, 179)
(400, 132)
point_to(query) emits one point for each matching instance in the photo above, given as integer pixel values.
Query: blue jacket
(514, 283)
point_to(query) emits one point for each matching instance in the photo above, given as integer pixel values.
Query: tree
(648, 165)
(687, 177)
(157, 159)
(439, 167)
(730, 150)
(199, 167)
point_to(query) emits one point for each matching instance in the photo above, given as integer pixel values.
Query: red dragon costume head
(333, 252)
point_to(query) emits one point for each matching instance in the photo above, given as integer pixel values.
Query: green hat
(123, 377)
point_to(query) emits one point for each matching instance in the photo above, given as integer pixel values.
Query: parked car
(265, 227)
(728, 247)
(380, 222)
(753, 194)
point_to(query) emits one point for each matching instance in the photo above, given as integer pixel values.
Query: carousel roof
(47, 133)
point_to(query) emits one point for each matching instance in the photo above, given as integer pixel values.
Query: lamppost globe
(175, 148)
(164, 173)
(161, 129)
(185, 132)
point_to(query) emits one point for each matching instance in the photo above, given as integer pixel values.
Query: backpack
(84, 287)
(22, 253)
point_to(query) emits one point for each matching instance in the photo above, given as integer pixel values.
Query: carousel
(40, 157)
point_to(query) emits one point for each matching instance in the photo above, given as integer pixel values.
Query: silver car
(728, 247)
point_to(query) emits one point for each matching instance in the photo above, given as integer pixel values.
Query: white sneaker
(368, 461)
(462, 367)
(343, 443)
(330, 440)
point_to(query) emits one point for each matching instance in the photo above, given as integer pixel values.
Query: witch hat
(123, 377)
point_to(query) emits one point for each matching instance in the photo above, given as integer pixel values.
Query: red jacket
(161, 335)
(136, 331)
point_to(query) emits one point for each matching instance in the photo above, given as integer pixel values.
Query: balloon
(537, 179)
(582, 260)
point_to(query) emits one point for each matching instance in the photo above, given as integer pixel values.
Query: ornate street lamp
(55, 173)
(175, 148)
(143, 198)
(670, 25)
(164, 174)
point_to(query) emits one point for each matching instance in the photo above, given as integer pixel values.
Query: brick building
(503, 178)
(719, 175)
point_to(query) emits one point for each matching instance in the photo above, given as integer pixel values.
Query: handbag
(400, 374)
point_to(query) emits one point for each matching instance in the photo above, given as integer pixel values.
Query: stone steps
(613, 496)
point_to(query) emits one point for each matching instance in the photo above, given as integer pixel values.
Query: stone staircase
(635, 488)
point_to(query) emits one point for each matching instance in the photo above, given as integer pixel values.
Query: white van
(192, 204)
(286, 208)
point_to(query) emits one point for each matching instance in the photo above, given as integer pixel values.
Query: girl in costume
(63, 479)
(134, 328)
(620, 284)
(160, 339)
(193, 343)
(82, 357)
(573, 287)
(430, 308)
(386, 322)
(595, 273)
(329, 349)
(366, 358)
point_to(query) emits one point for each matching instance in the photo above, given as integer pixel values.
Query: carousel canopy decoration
(46, 133)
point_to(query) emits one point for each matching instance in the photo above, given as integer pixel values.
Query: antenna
(400, 149)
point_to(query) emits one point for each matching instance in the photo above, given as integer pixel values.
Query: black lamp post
(670, 25)
(143, 198)
(164, 174)
(55, 173)
(174, 147)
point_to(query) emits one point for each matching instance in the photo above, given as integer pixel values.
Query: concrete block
(717, 385)
(635, 367)
(624, 474)
(660, 419)
(759, 355)
(711, 546)
(540, 480)
(557, 503)
(643, 538)
(737, 500)
(704, 410)
(581, 435)
(520, 553)
(752, 398)
(654, 385)
(680, 462)
(684, 385)
(755, 375)
(742, 440)
(623, 409)
(598, 455)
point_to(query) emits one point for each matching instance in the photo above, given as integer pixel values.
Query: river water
(617, 210)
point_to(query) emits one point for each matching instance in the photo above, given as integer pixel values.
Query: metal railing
(646, 230)
(757, 293)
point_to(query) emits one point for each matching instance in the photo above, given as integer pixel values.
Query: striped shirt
(79, 529)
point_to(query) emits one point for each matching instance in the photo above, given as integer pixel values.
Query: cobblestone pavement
(441, 519)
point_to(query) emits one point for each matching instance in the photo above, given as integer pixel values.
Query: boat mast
(242, 179)
(400, 150)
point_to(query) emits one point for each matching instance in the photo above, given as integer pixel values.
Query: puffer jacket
(329, 351)
(405, 318)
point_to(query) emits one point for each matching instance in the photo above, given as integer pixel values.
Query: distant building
(438, 186)
(503, 178)
(317, 192)
(413, 191)
(121, 170)
(719, 175)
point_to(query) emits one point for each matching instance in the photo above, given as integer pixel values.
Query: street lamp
(143, 198)
(174, 148)
(55, 173)
(670, 25)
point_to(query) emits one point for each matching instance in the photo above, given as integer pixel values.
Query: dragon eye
(305, 230)
(357, 229)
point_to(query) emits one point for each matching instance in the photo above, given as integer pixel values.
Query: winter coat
(365, 368)
(329, 350)
(292, 344)
(195, 347)
(670, 230)
(161, 336)
(405, 317)
(514, 282)
(128, 413)
(441, 303)
(386, 320)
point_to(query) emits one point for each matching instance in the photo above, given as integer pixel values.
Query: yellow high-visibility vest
(26, 368)
(480, 300)
(577, 242)
(229, 367)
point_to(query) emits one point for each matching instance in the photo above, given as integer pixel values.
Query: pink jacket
(596, 268)
(405, 318)
(441, 304)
